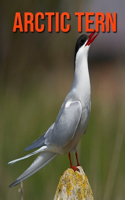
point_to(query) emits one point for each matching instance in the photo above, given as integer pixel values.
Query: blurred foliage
(24, 54)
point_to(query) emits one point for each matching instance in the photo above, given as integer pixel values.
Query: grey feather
(40, 141)
(43, 148)
(36, 144)
(43, 159)
(61, 132)
(66, 124)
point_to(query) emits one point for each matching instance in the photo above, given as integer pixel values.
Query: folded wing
(66, 124)
(40, 141)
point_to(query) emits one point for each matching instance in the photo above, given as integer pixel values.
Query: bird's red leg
(73, 167)
(77, 159)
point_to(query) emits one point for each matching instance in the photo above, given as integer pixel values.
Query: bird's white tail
(43, 159)
(43, 148)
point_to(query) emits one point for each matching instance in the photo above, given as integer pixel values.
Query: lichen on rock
(74, 185)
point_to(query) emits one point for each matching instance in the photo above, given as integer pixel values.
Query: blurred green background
(36, 73)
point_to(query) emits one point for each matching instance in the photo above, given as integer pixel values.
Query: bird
(71, 123)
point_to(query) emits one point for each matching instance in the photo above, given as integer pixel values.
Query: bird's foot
(74, 168)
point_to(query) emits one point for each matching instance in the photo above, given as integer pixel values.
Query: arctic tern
(71, 123)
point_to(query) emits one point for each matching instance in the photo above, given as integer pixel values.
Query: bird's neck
(81, 80)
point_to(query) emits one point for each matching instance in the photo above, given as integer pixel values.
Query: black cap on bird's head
(84, 40)
(80, 42)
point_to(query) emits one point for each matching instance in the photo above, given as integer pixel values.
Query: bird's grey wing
(40, 141)
(66, 124)
(43, 159)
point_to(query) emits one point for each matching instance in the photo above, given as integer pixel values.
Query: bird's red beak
(90, 40)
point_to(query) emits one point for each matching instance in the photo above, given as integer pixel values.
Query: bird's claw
(74, 168)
